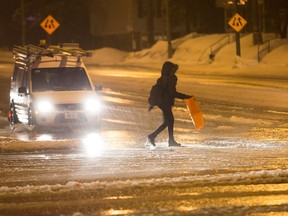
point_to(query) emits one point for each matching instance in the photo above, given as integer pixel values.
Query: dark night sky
(73, 16)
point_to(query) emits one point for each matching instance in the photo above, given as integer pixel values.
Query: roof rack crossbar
(31, 51)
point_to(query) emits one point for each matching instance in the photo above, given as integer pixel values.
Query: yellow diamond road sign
(237, 22)
(49, 24)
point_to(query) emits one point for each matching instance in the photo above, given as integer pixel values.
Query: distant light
(31, 18)
(239, 2)
(242, 2)
(119, 211)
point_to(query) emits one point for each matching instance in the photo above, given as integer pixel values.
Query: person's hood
(167, 67)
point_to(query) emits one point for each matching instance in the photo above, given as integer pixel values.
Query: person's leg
(170, 123)
(152, 136)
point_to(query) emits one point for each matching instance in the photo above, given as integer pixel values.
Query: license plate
(71, 115)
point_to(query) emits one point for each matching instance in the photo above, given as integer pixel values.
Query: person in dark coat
(168, 81)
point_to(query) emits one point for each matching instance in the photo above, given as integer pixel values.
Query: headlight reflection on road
(44, 137)
(93, 145)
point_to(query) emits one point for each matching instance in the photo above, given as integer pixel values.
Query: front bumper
(73, 119)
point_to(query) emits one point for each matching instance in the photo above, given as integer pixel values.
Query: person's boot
(173, 143)
(151, 140)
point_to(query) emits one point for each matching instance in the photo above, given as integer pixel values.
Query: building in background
(136, 24)
(127, 24)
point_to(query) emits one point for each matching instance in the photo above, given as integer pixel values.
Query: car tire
(31, 121)
(13, 117)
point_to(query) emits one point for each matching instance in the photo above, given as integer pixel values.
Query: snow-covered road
(236, 165)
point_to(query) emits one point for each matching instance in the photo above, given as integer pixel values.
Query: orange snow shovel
(195, 112)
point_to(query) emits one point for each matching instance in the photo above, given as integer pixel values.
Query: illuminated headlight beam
(44, 107)
(93, 105)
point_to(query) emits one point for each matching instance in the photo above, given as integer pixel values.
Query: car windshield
(60, 79)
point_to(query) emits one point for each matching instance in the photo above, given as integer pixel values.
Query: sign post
(49, 24)
(237, 23)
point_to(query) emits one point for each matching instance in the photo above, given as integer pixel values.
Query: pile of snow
(106, 56)
(278, 57)
(193, 50)
(253, 177)
(157, 53)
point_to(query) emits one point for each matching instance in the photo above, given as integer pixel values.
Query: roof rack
(31, 52)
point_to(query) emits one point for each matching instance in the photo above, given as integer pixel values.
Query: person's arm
(182, 96)
(173, 92)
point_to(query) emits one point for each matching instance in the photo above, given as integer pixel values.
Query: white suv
(51, 87)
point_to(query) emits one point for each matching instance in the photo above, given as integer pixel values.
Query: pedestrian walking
(163, 95)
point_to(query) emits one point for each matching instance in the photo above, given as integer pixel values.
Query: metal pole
(238, 47)
(150, 23)
(168, 29)
(255, 22)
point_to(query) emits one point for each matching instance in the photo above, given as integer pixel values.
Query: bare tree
(282, 22)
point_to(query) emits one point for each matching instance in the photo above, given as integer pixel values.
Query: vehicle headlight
(93, 105)
(44, 107)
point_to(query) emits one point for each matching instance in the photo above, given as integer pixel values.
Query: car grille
(60, 118)
(68, 107)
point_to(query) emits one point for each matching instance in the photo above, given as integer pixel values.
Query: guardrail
(215, 47)
(263, 48)
(269, 45)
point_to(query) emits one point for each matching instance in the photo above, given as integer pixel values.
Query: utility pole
(168, 29)
(257, 38)
(23, 23)
(150, 23)
(238, 52)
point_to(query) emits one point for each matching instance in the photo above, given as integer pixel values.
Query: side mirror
(98, 87)
(22, 90)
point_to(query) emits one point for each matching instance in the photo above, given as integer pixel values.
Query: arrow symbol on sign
(234, 22)
(239, 20)
(49, 24)
(52, 24)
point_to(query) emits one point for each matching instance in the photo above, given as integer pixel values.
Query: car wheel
(13, 117)
(31, 122)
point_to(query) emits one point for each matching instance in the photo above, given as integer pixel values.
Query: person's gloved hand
(188, 96)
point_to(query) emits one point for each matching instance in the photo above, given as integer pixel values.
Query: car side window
(19, 77)
(15, 72)
(25, 78)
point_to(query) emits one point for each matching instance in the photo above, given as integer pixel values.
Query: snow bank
(192, 52)
(253, 177)
(195, 50)
(277, 57)
(157, 53)
(106, 56)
